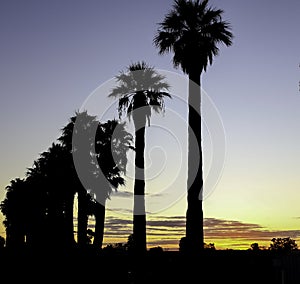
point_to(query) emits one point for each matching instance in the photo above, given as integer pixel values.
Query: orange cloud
(167, 232)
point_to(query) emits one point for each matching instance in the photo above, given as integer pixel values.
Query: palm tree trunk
(139, 214)
(99, 224)
(69, 219)
(194, 214)
(82, 218)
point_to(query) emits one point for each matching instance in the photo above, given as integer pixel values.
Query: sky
(58, 56)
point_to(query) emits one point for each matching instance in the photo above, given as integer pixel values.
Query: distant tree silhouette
(2, 242)
(209, 246)
(44, 200)
(105, 146)
(38, 209)
(140, 90)
(192, 31)
(85, 129)
(13, 208)
(156, 250)
(115, 248)
(90, 235)
(255, 247)
(37, 205)
(58, 176)
(113, 143)
(283, 245)
(130, 243)
(183, 245)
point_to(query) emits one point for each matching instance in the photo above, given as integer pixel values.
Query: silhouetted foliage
(184, 249)
(2, 242)
(283, 245)
(102, 151)
(38, 209)
(130, 243)
(117, 248)
(255, 247)
(210, 246)
(183, 245)
(90, 235)
(192, 31)
(156, 250)
(13, 207)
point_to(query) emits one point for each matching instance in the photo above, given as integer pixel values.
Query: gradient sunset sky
(56, 53)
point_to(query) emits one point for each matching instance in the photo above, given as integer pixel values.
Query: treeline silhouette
(39, 209)
(39, 222)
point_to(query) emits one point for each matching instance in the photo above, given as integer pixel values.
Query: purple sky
(53, 54)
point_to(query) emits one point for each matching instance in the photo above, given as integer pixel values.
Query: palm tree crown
(192, 31)
(140, 87)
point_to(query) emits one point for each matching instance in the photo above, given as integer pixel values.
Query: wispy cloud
(129, 194)
(119, 210)
(123, 194)
(220, 229)
(167, 231)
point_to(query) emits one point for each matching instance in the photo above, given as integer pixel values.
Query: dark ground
(216, 267)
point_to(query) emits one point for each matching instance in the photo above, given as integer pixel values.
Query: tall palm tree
(140, 90)
(192, 31)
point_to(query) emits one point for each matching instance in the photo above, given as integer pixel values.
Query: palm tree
(85, 124)
(192, 31)
(12, 207)
(140, 90)
(112, 145)
(38, 205)
(103, 148)
(51, 178)
(38, 209)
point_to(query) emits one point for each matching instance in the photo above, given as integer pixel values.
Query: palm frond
(192, 31)
(137, 89)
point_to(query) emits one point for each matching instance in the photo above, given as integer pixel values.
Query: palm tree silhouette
(51, 177)
(112, 145)
(38, 190)
(12, 208)
(192, 31)
(38, 209)
(105, 157)
(58, 176)
(140, 90)
(85, 125)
